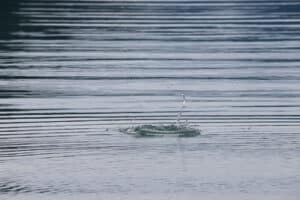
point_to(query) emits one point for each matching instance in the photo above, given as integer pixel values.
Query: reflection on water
(73, 73)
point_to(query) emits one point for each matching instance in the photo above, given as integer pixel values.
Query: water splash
(180, 129)
(180, 113)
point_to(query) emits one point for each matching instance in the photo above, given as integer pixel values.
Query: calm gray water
(72, 73)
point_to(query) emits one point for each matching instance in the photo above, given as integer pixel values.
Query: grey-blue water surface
(75, 72)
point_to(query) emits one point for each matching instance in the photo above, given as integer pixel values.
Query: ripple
(162, 130)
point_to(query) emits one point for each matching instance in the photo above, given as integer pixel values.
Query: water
(73, 73)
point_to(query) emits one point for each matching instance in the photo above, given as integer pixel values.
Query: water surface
(73, 73)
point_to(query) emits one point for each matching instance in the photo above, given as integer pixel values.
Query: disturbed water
(73, 73)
